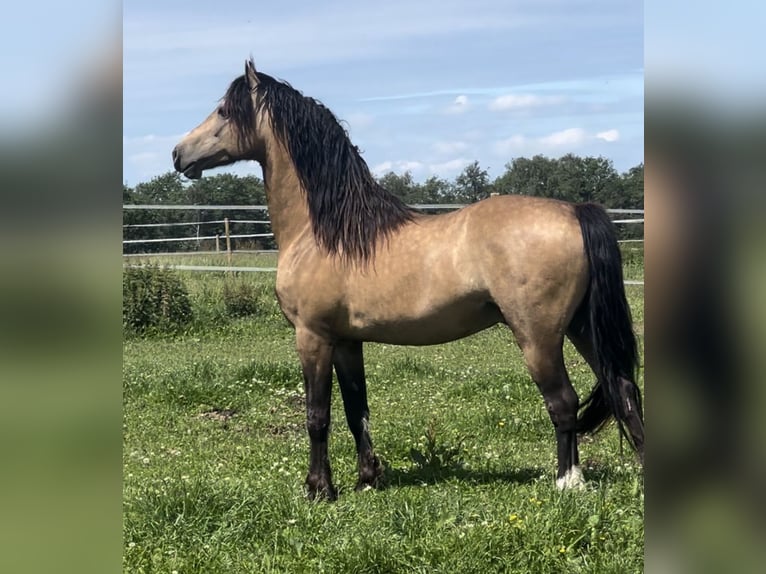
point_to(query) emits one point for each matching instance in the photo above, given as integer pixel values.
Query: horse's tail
(614, 343)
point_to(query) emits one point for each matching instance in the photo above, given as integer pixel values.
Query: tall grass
(633, 261)
(154, 301)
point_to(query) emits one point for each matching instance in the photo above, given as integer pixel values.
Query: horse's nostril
(175, 154)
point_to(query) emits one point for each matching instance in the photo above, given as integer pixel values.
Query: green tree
(631, 196)
(166, 188)
(437, 190)
(472, 184)
(582, 179)
(528, 176)
(632, 189)
(402, 186)
(220, 189)
(229, 189)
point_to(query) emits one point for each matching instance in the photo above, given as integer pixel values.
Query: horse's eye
(222, 113)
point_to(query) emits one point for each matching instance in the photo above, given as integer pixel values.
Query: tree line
(171, 189)
(569, 178)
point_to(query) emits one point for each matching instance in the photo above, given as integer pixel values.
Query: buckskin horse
(356, 264)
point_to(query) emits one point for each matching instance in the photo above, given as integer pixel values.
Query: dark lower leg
(548, 372)
(316, 355)
(568, 456)
(562, 408)
(349, 365)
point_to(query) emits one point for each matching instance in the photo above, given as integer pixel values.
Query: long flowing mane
(350, 212)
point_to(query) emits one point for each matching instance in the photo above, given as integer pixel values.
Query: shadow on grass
(417, 476)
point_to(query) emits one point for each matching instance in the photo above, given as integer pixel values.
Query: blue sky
(425, 86)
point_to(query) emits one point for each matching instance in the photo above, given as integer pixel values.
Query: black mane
(349, 210)
(238, 107)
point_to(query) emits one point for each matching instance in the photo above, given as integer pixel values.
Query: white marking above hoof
(572, 479)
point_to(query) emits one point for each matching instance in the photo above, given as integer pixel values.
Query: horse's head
(229, 134)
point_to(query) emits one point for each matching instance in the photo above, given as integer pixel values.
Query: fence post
(217, 243)
(228, 240)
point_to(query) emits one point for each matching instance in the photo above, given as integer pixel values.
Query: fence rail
(227, 221)
(195, 238)
(222, 268)
(192, 253)
(177, 223)
(160, 206)
(228, 236)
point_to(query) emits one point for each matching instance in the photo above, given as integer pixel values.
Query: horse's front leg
(316, 360)
(349, 365)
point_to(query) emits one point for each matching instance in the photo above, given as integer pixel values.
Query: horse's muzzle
(176, 159)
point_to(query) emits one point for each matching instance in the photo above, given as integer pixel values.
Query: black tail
(614, 344)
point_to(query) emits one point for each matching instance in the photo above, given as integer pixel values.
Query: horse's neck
(288, 210)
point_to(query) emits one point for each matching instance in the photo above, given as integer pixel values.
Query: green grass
(215, 454)
(238, 258)
(633, 260)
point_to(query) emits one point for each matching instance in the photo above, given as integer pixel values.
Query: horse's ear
(250, 76)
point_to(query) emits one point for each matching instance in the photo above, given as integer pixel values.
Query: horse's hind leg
(316, 360)
(349, 366)
(545, 362)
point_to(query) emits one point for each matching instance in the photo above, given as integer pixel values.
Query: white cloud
(460, 105)
(561, 141)
(448, 167)
(409, 165)
(609, 135)
(519, 101)
(568, 137)
(399, 166)
(382, 168)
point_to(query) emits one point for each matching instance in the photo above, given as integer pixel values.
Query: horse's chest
(306, 297)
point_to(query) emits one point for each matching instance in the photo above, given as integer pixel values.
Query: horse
(357, 265)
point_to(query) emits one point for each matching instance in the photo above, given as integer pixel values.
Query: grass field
(215, 454)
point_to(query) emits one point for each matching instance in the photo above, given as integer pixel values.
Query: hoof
(370, 476)
(572, 480)
(321, 490)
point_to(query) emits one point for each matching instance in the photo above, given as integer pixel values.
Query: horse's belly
(424, 327)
